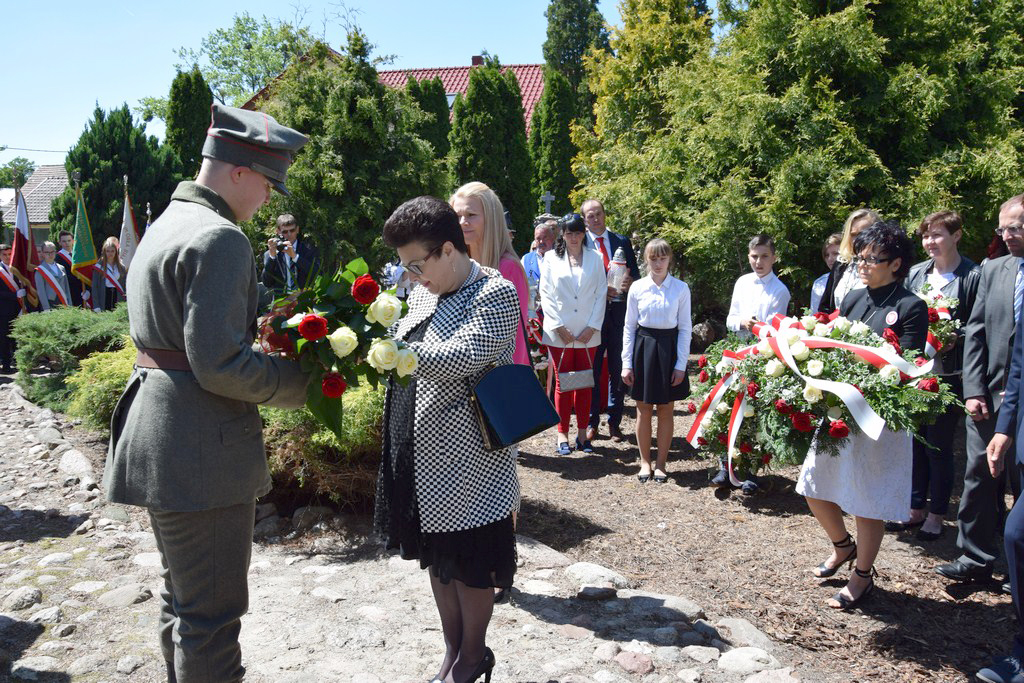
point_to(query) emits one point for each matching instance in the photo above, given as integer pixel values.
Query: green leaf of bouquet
(334, 291)
(326, 354)
(349, 277)
(299, 344)
(324, 309)
(327, 411)
(357, 266)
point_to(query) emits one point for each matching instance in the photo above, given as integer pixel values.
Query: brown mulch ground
(750, 556)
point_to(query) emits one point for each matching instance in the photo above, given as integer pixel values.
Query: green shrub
(305, 456)
(61, 339)
(98, 384)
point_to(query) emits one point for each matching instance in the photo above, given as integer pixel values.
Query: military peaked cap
(252, 139)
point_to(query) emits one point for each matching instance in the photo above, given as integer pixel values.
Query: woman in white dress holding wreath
(869, 479)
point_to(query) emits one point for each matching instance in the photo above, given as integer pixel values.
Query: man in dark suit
(65, 257)
(11, 296)
(608, 359)
(289, 263)
(1010, 426)
(988, 339)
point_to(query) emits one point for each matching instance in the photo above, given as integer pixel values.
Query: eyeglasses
(1012, 229)
(873, 260)
(417, 268)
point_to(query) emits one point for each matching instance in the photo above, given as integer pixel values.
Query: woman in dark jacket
(951, 275)
(442, 498)
(108, 276)
(843, 277)
(869, 478)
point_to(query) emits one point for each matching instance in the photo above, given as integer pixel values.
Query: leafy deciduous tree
(551, 148)
(488, 141)
(16, 171)
(188, 117)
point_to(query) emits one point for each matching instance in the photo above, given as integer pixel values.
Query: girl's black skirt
(654, 358)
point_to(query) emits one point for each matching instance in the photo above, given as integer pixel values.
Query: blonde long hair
(495, 243)
(846, 243)
(111, 242)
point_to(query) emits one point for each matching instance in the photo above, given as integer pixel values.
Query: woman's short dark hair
(950, 220)
(570, 222)
(888, 239)
(428, 220)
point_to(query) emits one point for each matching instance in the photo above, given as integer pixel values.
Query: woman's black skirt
(654, 358)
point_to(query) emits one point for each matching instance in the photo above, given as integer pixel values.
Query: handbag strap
(562, 359)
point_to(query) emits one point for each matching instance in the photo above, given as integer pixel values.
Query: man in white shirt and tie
(609, 353)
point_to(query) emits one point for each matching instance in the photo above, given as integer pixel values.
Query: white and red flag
(129, 232)
(24, 257)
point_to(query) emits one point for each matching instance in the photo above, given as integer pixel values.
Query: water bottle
(617, 272)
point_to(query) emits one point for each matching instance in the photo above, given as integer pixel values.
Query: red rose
(838, 429)
(702, 361)
(313, 327)
(766, 458)
(801, 422)
(701, 441)
(333, 385)
(703, 376)
(746, 447)
(723, 439)
(274, 341)
(365, 290)
(890, 336)
(691, 407)
(920, 360)
(783, 407)
(752, 389)
(928, 384)
(821, 318)
(933, 315)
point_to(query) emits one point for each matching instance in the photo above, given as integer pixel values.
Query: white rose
(724, 366)
(891, 374)
(835, 413)
(859, 328)
(343, 341)
(809, 322)
(383, 355)
(748, 411)
(800, 351)
(706, 420)
(888, 348)
(841, 324)
(385, 309)
(815, 368)
(812, 394)
(793, 335)
(734, 453)
(774, 368)
(723, 407)
(822, 330)
(765, 349)
(408, 361)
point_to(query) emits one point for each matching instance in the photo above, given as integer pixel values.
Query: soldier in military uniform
(186, 438)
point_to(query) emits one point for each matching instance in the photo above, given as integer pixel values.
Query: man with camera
(288, 263)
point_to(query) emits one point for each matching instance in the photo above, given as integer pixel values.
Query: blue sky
(62, 60)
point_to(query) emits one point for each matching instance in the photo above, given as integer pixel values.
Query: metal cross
(547, 198)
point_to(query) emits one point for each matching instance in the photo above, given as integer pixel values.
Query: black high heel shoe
(484, 668)
(823, 571)
(846, 603)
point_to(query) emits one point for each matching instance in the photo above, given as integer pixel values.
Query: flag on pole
(24, 257)
(129, 233)
(84, 256)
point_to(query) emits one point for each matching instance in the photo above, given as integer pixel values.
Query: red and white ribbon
(711, 402)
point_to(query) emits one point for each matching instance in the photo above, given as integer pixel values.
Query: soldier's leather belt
(162, 359)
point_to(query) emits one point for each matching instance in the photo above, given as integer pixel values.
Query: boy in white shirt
(759, 295)
(756, 297)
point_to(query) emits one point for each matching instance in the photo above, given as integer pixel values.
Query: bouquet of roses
(336, 329)
(943, 328)
(815, 380)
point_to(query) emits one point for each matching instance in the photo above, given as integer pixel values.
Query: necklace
(879, 306)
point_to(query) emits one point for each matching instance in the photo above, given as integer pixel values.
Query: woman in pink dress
(482, 218)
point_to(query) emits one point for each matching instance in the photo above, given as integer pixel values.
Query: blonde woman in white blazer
(572, 294)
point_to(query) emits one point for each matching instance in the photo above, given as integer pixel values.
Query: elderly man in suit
(607, 360)
(51, 280)
(988, 338)
(186, 438)
(288, 263)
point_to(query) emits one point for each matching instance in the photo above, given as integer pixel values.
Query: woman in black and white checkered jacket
(442, 498)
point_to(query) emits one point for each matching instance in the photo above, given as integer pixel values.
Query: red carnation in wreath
(822, 318)
(702, 361)
(365, 290)
(752, 389)
(723, 439)
(783, 407)
(313, 327)
(801, 421)
(890, 336)
(933, 315)
(690, 407)
(703, 376)
(701, 441)
(746, 448)
(838, 429)
(928, 384)
(333, 385)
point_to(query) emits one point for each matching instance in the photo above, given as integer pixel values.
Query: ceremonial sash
(54, 285)
(113, 281)
(8, 279)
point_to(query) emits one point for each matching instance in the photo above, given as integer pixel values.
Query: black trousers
(7, 344)
(205, 556)
(1013, 541)
(609, 351)
(932, 481)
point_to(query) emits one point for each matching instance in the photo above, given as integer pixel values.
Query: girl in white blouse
(655, 348)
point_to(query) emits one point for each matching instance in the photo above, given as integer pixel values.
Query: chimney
(478, 60)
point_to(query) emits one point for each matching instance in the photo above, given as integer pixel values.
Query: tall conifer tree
(429, 94)
(551, 147)
(188, 117)
(574, 28)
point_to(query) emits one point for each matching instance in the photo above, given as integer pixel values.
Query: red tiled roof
(39, 191)
(456, 80)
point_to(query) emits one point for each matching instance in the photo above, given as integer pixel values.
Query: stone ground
(78, 578)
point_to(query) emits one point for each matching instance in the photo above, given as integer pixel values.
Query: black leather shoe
(1003, 670)
(721, 480)
(959, 571)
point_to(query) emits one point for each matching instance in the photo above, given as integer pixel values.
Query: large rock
(701, 653)
(47, 615)
(635, 663)
(741, 632)
(55, 558)
(588, 573)
(22, 598)
(538, 555)
(125, 596)
(49, 436)
(773, 676)
(747, 660)
(30, 668)
(75, 462)
(667, 607)
(305, 517)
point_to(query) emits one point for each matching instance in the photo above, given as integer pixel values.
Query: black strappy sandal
(846, 603)
(823, 571)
